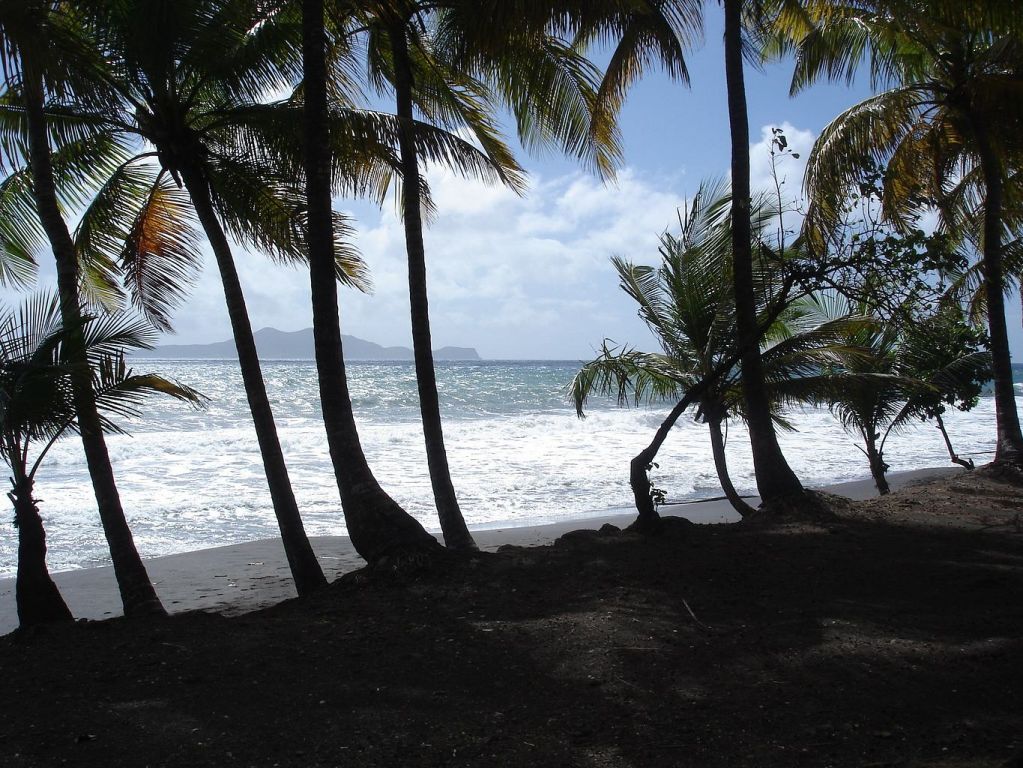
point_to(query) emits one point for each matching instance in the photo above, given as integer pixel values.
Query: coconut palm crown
(948, 131)
(46, 53)
(687, 304)
(37, 408)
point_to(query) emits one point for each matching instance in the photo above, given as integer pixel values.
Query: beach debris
(699, 623)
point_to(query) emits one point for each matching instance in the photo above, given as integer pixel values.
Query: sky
(529, 277)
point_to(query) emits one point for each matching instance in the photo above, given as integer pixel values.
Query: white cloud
(514, 276)
(447, 190)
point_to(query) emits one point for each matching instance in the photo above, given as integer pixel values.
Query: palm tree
(441, 64)
(191, 90)
(775, 479)
(948, 130)
(662, 30)
(451, 99)
(659, 31)
(909, 371)
(449, 76)
(873, 408)
(945, 352)
(378, 526)
(688, 305)
(187, 90)
(37, 408)
(34, 35)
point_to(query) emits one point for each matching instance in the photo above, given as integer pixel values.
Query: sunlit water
(518, 455)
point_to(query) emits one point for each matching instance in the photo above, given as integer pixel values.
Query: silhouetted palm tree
(687, 304)
(948, 131)
(38, 39)
(378, 526)
(38, 360)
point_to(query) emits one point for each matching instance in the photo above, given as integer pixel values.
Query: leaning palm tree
(945, 352)
(38, 360)
(687, 304)
(873, 407)
(681, 19)
(37, 39)
(187, 89)
(948, 130)
(439, 63)
(403, 56)
(189, 120)
(189, 92)
(378, 526)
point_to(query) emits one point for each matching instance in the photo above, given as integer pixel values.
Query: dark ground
(891, 636)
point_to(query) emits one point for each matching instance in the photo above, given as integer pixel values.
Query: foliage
(910, 371)
(177, 96)
(873, 263)
(688, 305)
(948, 72)
(686, 302)
(952, 73)
(950, 355)
(658, 496)
(947, 132)
(37, 360)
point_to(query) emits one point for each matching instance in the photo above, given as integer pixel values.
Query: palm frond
(21, 233)
(552, 89)
(39, 358)
(121, 393)
(628, 375)
(869, 131)
(159, 251)
(273, 218)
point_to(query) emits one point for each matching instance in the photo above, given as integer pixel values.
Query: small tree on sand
(38, 361)
(950, 355)
(909, 370)
(687, 304)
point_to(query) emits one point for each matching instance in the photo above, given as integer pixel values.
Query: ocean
(518, 454)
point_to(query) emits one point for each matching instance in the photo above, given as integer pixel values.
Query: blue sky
(529, 277)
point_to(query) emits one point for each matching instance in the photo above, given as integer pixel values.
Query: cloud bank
(515, 277)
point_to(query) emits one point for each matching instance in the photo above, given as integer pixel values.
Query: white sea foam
(518, 454)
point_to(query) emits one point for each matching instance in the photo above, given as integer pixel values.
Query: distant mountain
(298, 345)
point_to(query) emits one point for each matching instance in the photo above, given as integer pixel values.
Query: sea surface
(518, 454)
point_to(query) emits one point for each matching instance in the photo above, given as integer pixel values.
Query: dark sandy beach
(888, 634)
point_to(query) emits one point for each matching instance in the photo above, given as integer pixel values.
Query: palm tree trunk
(39, 601)
(137, 593)
(649, 521)
(775, 479)
(1009, 440)
(305, 569)
(877, 466)
(717, 447)
(456, 533)
(378, 527)
(952, 455)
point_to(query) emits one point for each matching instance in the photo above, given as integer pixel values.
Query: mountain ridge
(273, 344)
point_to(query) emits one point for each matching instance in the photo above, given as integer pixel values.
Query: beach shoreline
(240, 578)
(882, 632)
